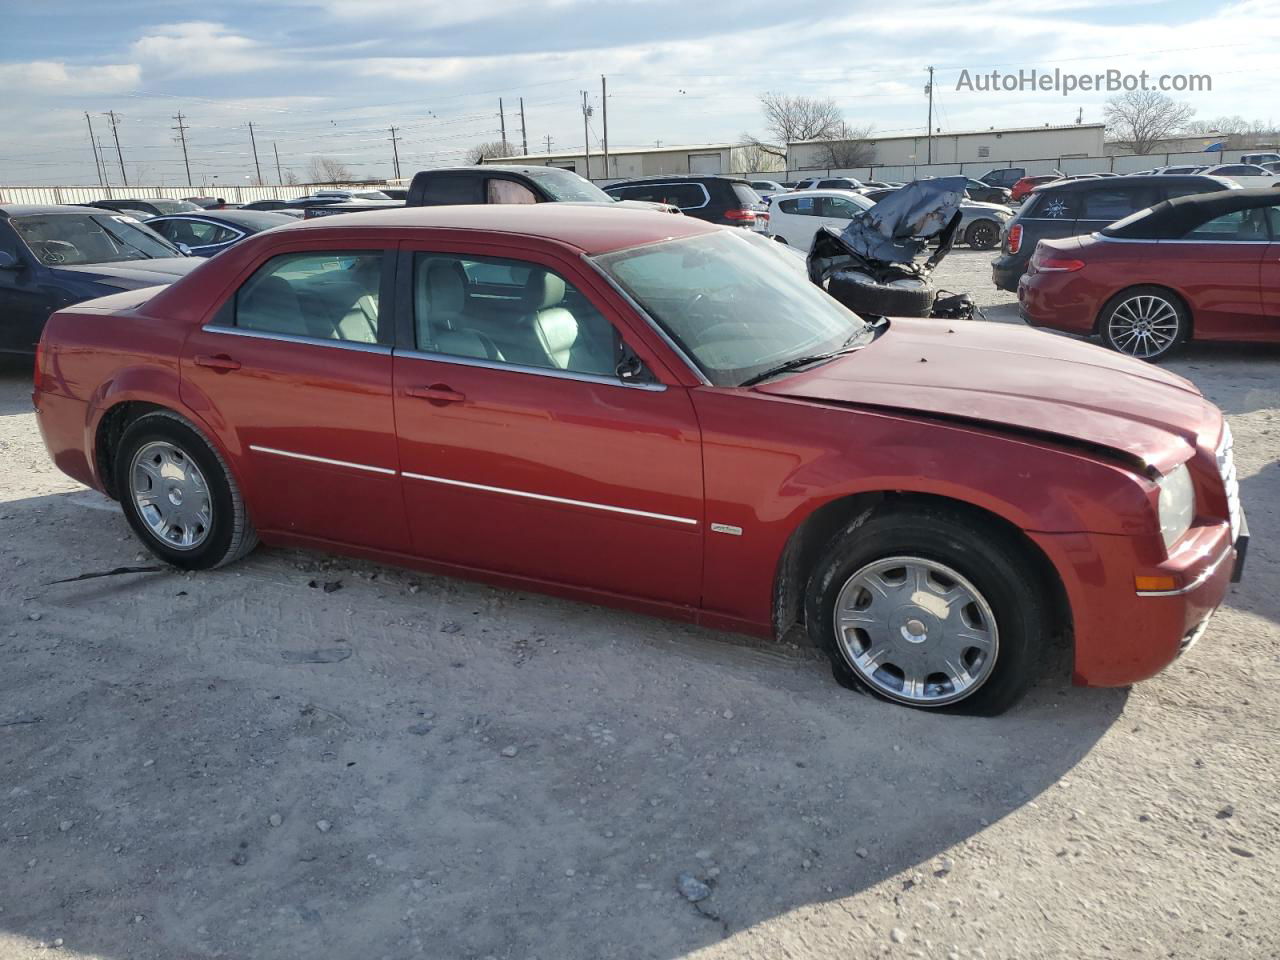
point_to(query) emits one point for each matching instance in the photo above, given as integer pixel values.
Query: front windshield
(565, 185)
(70, 239)
(737, 305)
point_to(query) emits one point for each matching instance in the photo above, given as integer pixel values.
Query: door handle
(219, 362)
(437, 393)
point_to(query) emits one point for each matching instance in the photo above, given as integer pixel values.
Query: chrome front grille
(1230, 482)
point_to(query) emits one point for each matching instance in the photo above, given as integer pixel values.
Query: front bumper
(1123, 636)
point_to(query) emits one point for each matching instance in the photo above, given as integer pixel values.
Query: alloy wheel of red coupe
(1144, 322)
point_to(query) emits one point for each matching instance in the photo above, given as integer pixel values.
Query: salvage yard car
(1203, 267)
(52, 256)
(660, 414)
(209, 232)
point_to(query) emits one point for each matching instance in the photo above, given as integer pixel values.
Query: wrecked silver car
(874, 267)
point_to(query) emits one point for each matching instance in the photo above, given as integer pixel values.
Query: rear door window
(1111, 204)
(325, 296)
(509, 191)
(799, 206)
(1239, 226)
(454, 189)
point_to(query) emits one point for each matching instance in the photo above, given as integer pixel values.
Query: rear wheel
(982, 235)
(924, 609)
(179, 496)
(1144, 322)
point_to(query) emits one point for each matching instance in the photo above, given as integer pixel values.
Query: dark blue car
(54, 256)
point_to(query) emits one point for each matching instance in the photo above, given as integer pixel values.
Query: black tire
(989, 559)
(230, 534)
(982, 234)
(1169, 319)
(861, 293)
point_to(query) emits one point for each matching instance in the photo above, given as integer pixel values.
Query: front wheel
(924, 609)
(1144, 322)
(179, 496)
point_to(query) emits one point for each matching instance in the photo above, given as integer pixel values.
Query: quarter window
(1240, 226)
(326, 296)
(509, 312)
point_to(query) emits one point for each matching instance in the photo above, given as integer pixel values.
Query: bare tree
(789, 119)
(756, 157)
(492, 150)
(290, 177)
(848, 147)
(328, 170)
(1138, 120)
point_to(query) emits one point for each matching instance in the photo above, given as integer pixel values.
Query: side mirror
(9, 262)
(184, 250)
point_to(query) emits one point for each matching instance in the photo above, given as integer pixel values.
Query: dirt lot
(474, 773)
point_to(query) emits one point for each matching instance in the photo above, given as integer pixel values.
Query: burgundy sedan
(665, 415)
(1203, 267)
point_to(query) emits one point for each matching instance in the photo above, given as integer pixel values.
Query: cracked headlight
(1177, 504)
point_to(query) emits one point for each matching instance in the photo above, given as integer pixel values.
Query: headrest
(446, 292)
(542, 290)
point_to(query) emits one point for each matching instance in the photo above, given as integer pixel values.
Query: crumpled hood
(1022, 379)
(133, 274)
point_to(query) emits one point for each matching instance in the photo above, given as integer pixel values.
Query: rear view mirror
(9, 262)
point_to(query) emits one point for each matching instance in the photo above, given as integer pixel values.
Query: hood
(899, 227)
(1019, 379)
(132, 274)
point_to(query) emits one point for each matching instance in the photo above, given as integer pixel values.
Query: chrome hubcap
(1143, 326)
(171, 495)
(916, 631)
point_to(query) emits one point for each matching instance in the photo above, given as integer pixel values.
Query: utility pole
(276, 151)
(182, 135)
(548, 139)
(929, 90)
(604, 121)
(97, 164)
(502, 121)
(395, 154)
(102, 152)
(124, 177)
(254, 142)
(586, 136)
(524, 134)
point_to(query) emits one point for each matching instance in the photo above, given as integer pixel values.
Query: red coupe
(1203, 267)
(661, 414)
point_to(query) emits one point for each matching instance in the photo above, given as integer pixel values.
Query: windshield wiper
(849, 346)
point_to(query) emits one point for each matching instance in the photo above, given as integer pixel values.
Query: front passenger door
(522, 449)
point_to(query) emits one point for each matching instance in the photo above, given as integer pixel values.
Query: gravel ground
(472, 773)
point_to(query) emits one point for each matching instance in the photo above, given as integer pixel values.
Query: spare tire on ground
(862, 293)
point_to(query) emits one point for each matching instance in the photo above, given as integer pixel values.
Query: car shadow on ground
(242, 763)
(1260, 497)
(15, 372)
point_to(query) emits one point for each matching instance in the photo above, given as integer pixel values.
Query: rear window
(746, 195)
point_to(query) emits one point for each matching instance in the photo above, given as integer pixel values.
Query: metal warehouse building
(995, 145)
(628, 162)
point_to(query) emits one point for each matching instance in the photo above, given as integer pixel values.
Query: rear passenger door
(523, 451)
(293, 372)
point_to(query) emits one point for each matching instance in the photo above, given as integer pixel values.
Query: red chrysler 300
(658, 413)
(1203, 267)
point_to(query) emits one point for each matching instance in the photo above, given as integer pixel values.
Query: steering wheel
(57, 251)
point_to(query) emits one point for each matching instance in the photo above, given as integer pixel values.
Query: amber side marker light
(1144, 584)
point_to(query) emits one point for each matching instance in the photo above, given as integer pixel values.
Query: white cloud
(198, 47)
(57, 77)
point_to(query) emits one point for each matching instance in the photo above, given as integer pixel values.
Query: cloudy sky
(327, 77)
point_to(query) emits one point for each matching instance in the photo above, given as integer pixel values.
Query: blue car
(54, 256)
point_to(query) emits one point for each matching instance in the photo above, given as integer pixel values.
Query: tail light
(1015, 238)
(1044, 261)
(741, 216)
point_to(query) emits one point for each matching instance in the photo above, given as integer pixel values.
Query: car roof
(1140, 179)
(1173, 218)
(829, 192)
(253, 219)
(592, 228)
(690, 177)
(30, 209)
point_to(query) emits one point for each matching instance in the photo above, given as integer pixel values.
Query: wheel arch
(811, 537)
